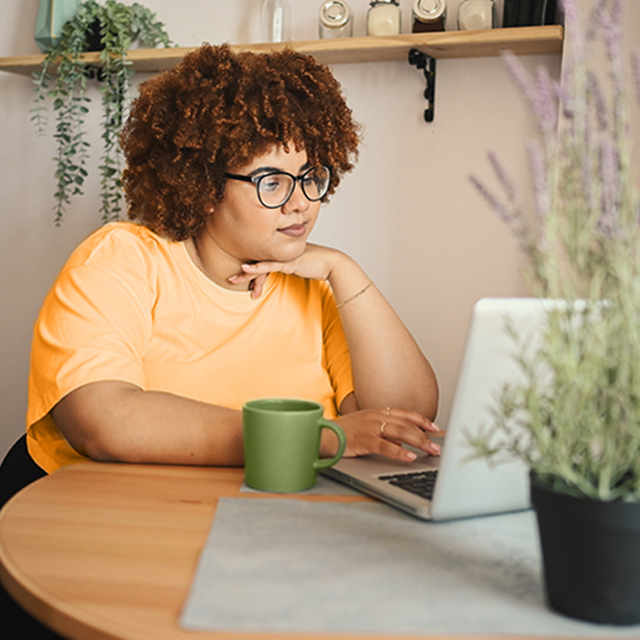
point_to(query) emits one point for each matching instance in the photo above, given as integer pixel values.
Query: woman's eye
(271, 183)
(310, 185)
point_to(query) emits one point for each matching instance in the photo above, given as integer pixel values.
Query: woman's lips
(294, 231)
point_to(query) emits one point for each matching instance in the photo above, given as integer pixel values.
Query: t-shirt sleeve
(336, 349)
(93, 326)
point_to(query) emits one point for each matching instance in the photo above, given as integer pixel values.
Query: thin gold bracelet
(353, 297)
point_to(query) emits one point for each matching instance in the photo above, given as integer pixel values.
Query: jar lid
(373, 2)
(429, 10)
(334, 14)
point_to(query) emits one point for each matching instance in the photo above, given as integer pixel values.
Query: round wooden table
(108, 551)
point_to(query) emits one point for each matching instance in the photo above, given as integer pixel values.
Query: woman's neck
(214, 263)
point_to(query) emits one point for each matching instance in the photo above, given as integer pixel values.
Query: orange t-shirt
(131, 306)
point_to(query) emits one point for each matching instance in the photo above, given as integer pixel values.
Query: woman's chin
(292, 251)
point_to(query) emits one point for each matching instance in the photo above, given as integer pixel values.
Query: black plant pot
(93, 42)
(591, 556)
(93, 37)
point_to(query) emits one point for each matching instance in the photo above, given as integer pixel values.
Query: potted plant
(575, 415)
(110, 28)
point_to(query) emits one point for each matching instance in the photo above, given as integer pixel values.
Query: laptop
(462, 487)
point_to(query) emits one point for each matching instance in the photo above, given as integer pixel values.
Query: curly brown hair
(215, 112)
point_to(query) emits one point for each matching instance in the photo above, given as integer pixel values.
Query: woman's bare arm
(396, 391)
(394, 386)
(118, 421)
(389, 369)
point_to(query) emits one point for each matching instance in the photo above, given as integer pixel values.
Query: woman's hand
(383, 431)
(388, 366)
(316, 263)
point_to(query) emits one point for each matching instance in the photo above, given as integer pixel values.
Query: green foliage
(119, 25)
(575, 417)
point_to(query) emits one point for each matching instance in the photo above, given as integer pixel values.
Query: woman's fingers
(403, 431)
(257, 285)
(413, 417)
(256, 281)
(385, 431)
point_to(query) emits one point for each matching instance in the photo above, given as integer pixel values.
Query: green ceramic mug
(282, 444)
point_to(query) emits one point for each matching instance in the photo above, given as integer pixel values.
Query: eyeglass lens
(274, 189)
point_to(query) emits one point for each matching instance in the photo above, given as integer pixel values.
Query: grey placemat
(324, 487)
(298, 566)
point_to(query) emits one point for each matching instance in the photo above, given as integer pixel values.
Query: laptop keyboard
(421, 483)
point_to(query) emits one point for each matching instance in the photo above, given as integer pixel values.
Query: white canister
(474, 15)
(384, 18)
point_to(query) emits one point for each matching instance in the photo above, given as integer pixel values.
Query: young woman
(158, 330)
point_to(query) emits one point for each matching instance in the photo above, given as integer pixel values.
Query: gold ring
(382, 426)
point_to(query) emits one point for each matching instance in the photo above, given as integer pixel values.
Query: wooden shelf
(444, 44)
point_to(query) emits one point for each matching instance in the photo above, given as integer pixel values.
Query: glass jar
(429, 15)
(383, 18)
(336, 20)
(476, 15)
(276, 20)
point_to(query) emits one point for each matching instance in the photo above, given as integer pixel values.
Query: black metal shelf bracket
(428, 66)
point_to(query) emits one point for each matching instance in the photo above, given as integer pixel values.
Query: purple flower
(609, 22)
(610, 25)
(520, 76)
(595, 93)
(580, 165)
(498, 207)
(541, 189)
(578, 38)
(586, 168)
(635, 66)
(596, 19)
(564, 101)
(541, 93)
(503, 178)
(610, 176)
(510, 212)
(546, 102)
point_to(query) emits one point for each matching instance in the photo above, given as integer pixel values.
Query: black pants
(17, 471)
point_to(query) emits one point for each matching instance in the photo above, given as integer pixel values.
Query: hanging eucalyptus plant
(110, 28)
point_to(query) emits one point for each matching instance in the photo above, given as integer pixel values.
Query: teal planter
(52, 14)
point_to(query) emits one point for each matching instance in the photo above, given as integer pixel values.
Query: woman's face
(246, 231)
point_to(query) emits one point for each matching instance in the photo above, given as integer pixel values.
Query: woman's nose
(297, 202)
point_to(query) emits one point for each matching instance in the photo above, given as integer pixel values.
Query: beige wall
(407, 213)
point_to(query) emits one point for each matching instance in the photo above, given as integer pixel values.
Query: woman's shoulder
(120, 243)
(114, 234)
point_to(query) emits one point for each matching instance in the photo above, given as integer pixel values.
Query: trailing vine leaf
(118, 26)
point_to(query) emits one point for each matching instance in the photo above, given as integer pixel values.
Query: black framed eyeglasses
(274, 188)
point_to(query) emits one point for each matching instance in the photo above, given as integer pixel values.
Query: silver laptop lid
(467, 487)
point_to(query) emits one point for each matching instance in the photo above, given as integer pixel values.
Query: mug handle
(342, 439)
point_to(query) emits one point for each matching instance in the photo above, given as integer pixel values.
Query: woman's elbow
(85, 420)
